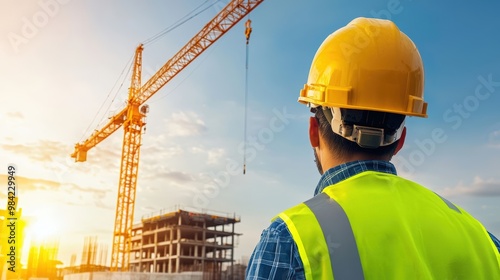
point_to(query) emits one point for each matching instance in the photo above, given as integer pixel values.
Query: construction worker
(365, 222)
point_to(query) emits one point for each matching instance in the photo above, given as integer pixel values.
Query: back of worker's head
(364, 80)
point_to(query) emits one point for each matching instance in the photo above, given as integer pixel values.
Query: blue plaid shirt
(276, 255)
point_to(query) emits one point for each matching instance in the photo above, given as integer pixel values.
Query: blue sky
(56, 77)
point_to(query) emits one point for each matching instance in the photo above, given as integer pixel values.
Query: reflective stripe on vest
(335, 255)
(313, 249)
(380, 226)
(342, 249)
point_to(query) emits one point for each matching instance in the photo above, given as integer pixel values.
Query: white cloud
(148, 209)
(42, 150)
(162, 173)
(55, 156)
(15, 115)
(213, 155)
(479, 187)
(197, 150)
(74, 193)
(494, 139)
(152, 154)
(176, 176)
(185, 124)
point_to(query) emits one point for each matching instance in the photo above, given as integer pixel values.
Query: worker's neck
(330, 159)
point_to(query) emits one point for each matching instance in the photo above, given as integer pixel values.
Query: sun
(43, 228)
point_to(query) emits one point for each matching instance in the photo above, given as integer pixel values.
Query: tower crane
(132, 118)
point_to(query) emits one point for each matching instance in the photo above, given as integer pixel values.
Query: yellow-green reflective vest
(380, 226)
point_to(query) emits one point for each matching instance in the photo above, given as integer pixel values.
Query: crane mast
(132, 118)
(129, 166)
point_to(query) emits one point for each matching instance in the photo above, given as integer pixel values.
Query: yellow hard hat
(367, 65)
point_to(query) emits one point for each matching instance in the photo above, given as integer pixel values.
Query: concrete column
(232, 253)
(203, 248)
(177, 259)
(170, 250)
(196, 246)
(155, 248)
(140, 254)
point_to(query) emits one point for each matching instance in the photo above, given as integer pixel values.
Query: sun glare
(43, 228)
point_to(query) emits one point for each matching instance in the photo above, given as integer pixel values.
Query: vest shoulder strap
(331, 256)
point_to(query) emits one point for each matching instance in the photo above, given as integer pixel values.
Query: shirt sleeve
(275, 256)
(495, 241)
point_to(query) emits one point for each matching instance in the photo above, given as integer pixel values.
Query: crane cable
(248, 31)
(123, 76)
(179, 22)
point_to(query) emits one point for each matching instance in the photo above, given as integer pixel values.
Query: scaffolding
(181, 241)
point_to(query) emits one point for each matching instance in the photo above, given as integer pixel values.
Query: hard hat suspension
(368, 129)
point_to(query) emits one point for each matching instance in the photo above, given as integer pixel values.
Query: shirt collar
(341, 172)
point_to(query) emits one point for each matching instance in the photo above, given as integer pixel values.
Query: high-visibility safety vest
(380, 226)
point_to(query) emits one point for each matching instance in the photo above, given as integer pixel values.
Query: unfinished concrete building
(182, 241)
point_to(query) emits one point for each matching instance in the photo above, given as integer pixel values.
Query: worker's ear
(401, 141)
(313, 132)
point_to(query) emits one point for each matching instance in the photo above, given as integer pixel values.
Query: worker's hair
(343, 147)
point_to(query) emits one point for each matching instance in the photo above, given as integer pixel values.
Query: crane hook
(248, 29)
